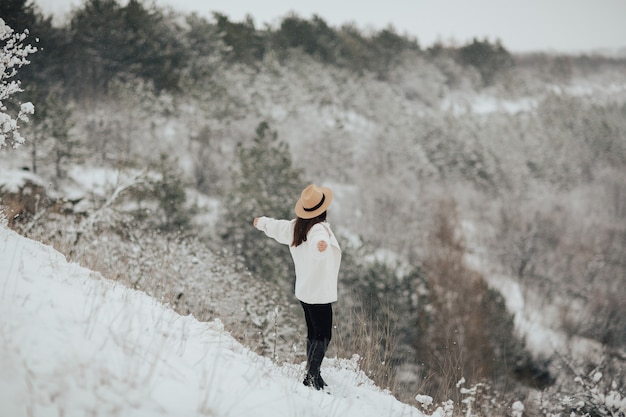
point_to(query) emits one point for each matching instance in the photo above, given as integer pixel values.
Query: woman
(316, 255)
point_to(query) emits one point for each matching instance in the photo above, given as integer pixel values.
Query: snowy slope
(75, 344)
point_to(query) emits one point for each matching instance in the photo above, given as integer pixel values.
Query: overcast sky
(521, 25)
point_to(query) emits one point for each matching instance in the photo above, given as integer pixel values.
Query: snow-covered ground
(75, 344)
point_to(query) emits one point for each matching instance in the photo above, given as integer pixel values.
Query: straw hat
(313, 201)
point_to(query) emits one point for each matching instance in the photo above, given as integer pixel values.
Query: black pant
(319, 321)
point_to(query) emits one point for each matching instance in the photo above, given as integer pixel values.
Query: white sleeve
(279, 230)
(317, 234)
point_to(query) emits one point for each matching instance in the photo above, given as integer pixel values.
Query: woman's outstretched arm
(279, 230)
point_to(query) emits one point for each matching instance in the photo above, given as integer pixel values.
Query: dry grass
(20, 207)
(374, 341)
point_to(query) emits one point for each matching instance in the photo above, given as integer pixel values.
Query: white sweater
(316, 272)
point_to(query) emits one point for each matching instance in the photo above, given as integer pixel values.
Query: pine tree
(169, 191)
(265, 183)
(488, 59)
(114, 41)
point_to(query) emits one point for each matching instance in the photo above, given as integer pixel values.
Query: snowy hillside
(75, 344)
(480, 204)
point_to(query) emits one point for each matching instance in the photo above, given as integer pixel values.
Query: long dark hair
(302, 227)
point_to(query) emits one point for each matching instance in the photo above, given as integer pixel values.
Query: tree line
(103, 40)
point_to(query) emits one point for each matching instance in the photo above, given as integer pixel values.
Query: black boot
(319, 379)
(316, 349)
(309, 380)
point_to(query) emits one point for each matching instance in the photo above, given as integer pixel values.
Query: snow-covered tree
(13, 56)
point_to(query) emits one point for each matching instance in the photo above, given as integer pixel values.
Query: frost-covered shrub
(479, 400)
(596, 398)
(596, 391)
(13, 56)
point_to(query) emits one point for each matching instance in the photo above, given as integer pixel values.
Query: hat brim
(304, 214)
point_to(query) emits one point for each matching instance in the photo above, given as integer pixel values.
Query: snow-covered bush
(596, 391)
(596, 398)
(13, 56)
(480, 400)
(445, 409)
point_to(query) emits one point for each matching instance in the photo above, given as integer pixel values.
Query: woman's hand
(321, 246)
(256, 221)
